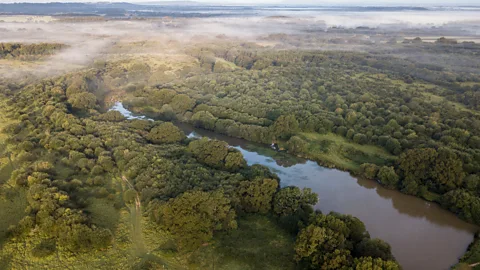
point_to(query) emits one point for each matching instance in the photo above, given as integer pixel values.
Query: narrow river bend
(422, 235)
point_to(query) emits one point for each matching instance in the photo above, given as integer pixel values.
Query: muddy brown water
(422, 235)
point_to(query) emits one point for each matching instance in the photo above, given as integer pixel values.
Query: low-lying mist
(360, 31)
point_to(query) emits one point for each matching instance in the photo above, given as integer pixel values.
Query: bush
(165, 133)
(368, 171)
(388, 177)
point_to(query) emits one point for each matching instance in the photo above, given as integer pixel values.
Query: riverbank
(387, 214)
(327, 150)
(333, 151)
(471, 259)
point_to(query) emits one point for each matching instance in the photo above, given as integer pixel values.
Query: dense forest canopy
(28, 51)
(292, 98)
(86, 185)
(68, 156)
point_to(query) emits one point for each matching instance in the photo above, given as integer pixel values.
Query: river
(422, 235)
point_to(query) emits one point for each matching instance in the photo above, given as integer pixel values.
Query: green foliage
(113, 116)
(182, 103)
(448, 169)
(369, 170)
(29, 51)
(193, 217)
(472, 255)
(440, 170)
(285, 126)
(374, 248)
(316, 245)
(205, 120)
(234, 161)
(472, 182)
(336, 241)
(216, 154)
(258, 243)
(83, 101)
(210, 152)
(256, 196)
(333, 150)
(45, 248)
(369, 263)
(341, 109)
(289, 200)
(463, 203)
(296, 145)
(388, 177)
(165, 133)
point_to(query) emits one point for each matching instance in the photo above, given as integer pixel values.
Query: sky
(317, 2)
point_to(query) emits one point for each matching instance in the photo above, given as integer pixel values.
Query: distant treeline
(28, 51)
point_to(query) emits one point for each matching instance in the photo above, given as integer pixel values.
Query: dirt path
(136, 221)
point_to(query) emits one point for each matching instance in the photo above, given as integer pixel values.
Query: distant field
(458, 38)
(26, 18)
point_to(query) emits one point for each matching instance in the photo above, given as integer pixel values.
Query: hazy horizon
(288, 2)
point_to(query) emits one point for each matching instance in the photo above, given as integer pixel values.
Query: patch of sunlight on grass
(12, 205)
(258, 243)
(337, 150)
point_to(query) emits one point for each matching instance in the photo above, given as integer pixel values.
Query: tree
(440, 170)
(394, 146)
(204, 119)
(256, 196)
(165, 133)
(210, 152)
(360, 138)
(285, 126)
(289, 200)
(83, 101)
(182, 103)
(234, 161)
(472, 182)
(193, 217)
(368, 170)
(357, 230)
(318, 247)
(369, 263)
(374, 248)
(416, 165)
(113, 116)
(297, 145)
(308, 241)
(138, 71)
(474, 142)
(388, 177)
(448, 170)
(463, 203)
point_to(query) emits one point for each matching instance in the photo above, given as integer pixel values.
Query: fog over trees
(384, 97)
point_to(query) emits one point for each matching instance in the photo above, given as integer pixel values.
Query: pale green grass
(13, 204)
(226, 63)
(458, 106)
(469, 83)
(334, 149)
(258, 243)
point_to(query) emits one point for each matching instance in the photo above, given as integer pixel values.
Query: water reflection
(422, 235)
